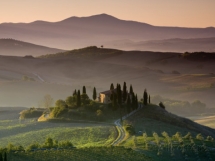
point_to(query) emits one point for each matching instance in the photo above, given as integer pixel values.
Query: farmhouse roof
(109, 92)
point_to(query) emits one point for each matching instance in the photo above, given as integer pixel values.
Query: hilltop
(91, 52)
(19, 48)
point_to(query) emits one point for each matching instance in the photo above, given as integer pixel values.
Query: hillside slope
(156, 113)
(20, 48)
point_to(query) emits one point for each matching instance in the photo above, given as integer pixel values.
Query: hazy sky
(189, 13)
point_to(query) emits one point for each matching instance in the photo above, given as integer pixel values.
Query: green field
(82, 154)
(80, 134)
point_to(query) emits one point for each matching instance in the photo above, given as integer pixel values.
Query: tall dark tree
(5, 156)
(149, 99)
(133, 101)
(94, 94)
(74, 93)
(114, 102)
(79, 99)
(111, 96)
(137, 104)
(84, 90)
(131, 89)
(124, 93)
(145, 97)
(111, 86)
(119, 95)
(1, 157)
(128, 104)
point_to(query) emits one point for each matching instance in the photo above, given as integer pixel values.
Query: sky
(182, 13)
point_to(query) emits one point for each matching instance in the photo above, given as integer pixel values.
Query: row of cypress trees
(84, 94)
(119, 97)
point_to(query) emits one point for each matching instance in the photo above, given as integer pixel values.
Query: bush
(65, 144)
(210, 138)
(31, 113)
(33, 146)
(188, 136)
(162, 105)
(71, 101)
(199, 137)
(58, 111)
(60, 103)
(130, 129)
(11, 147)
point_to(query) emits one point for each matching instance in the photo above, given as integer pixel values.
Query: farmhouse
(104, 97)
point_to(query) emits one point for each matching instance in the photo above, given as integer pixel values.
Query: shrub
(31, 113)
(188, 136)
(58, 111)
(199, 137)
(65, 144)
(130, 129)
(60, 103)
(210, 138)
(162, 105)
(33, 146)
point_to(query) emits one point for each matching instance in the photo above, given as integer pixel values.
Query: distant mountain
(95, 30)
(20, 48)
(168, 45)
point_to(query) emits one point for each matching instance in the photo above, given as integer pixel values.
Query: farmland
(30, 131)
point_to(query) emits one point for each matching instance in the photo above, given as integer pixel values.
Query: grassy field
(30, 131)
(82, 154)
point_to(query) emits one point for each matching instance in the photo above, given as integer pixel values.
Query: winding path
(121, 131)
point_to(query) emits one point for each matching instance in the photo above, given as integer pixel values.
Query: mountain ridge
(77, 32)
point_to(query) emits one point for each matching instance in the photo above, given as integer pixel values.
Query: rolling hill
(98, 67)
(19, 48)
(168, 45)
(157, 114)
(103, 29)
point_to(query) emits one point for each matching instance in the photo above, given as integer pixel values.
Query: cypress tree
(149, 99)
(119, 95)
(78, 99)
(84, 90)
(74, 93)
(136, 99)
(114, 104)
(124, 95)
(5, 156)
(111, 86)
(145, 97)
(1, 157)
(128, 104)
(133, 102)
(111, 97)
(94, 94)
(131, 89)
